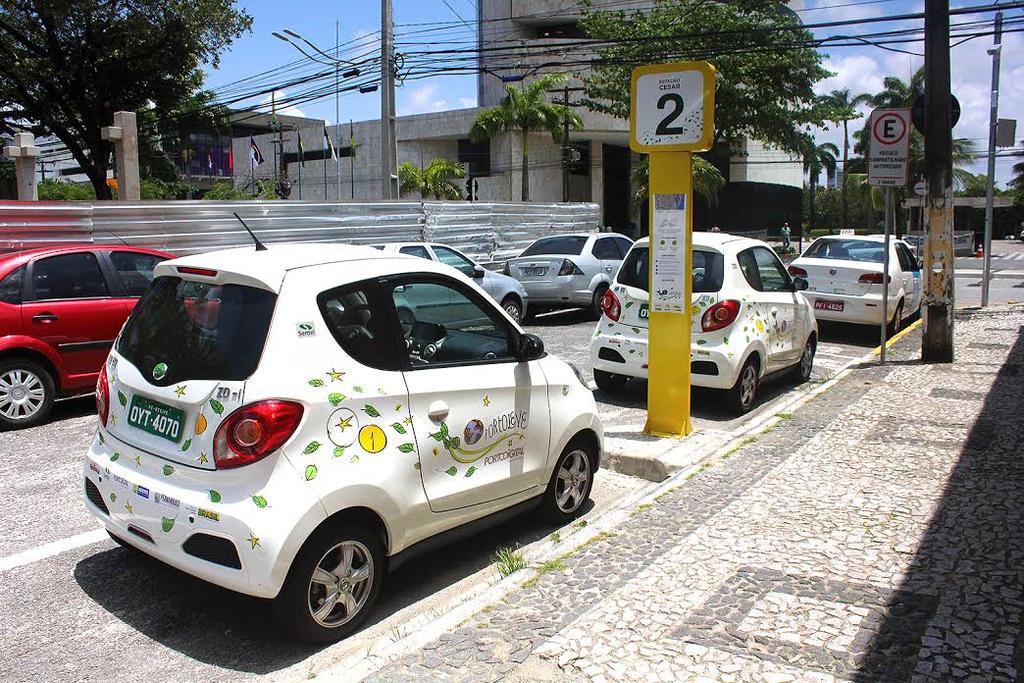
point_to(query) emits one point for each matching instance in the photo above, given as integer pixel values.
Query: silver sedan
(569, 271)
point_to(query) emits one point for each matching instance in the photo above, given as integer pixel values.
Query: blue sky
(860, 69)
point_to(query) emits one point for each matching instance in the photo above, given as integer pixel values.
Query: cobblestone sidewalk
(877, 534)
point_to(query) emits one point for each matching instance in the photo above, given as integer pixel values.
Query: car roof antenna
(259, 245)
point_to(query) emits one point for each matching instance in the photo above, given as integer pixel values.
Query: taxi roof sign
(672, 107)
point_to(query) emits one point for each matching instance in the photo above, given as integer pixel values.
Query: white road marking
(50, 549)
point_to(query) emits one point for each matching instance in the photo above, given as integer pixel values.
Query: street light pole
(993, 122)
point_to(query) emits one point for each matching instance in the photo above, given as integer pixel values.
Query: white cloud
(421, 100)
(279, 97)
(467, 102)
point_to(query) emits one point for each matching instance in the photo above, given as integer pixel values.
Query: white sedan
(844, 275)
(749, 319)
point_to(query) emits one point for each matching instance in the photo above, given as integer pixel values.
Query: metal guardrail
(487, 231)
(963, 242)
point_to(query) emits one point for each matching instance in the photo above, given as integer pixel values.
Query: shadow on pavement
(193, 617)
(867, 336)
(958, 613)
(73, 407)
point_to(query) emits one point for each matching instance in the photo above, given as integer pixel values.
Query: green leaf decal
(214, 496)
(102, 440)
(470, 471)
(113, 496)
(310, 447)
(114, 457)
(358, 389)
(406, 447)
(188, 444)
(217, 406)
(628, 304)
(635, 330)
(260, 501)
(121, 399)
(167, 523)
(339, 451)
(310, 472)
(416, 466)
(397, 426)
(355, 459)
(316, 382)
(451, 471)
(168, 470)
(371, 411)
(335, 398)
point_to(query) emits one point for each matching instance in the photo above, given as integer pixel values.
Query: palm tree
(436, 180)
(1017, 182)
(818, 158)
(707, 180)
(526, 110)
(845, 110)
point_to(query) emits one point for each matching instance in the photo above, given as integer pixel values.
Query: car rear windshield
(708, 270)
(198, 330)
(567, 245)
(846, 250)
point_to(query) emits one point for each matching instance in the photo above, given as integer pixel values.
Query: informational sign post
(672, 115)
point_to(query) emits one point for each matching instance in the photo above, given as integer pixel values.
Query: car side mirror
(531, 347)
(800, 284)
(478, 272)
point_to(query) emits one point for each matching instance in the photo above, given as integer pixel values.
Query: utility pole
(565, 146)
(388, 141)
(937, 340)
(993, 122)
(24, 152)
(124, 134)
(337, 107)
(351, 159)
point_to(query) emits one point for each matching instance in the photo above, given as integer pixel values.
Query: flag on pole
(255, 155)
(329, 146)
(302, 153)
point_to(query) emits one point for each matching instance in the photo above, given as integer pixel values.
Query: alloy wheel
(572, 482)
(807, 361)
(22, 394)
(341, 583)
(748, 385)
(513, 310)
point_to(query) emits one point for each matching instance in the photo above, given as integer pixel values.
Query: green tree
(1017, 182)
(437, 180)
(818, 158)
(65, 190)
(67, 65)
(525, 110)
(844, 109)
(765, 93)
(225, 191)
(707, 180)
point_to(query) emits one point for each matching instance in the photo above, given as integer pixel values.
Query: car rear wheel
(743, 394)
(802, 370)
(332, 585)
(570, 484)
(897, 322)
(513, 308)
(609, 381)
(27, 392)
(594, 310)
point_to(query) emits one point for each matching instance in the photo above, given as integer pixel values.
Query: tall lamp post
(332, 61)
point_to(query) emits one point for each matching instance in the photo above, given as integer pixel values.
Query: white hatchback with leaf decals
(291, 423)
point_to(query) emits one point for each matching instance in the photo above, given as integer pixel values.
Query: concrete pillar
(597, 175)
(24, 152)
(125, 137)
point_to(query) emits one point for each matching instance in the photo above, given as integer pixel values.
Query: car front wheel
(570, 484)
(27, 392)
(513, 308)
(743, 394)
(332, 585)
(594, 310)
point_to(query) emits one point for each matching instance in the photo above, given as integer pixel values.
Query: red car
(60, 309)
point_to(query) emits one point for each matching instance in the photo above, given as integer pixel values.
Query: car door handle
(437, 411)
(44, 318)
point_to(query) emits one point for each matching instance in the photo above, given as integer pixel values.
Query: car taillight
(611, 306)
(569, 268)
(720, 315)
(254, 431)
(797, 271)
(102, 396)
(870, 278)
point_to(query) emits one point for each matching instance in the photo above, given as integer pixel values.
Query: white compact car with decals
(844, 275)
(749, 319)
(271, 423)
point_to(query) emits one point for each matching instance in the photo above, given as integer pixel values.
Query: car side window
(68, 276)
(773, 275)
(445, 324)
(136, 270)
(10, 286)
(907, 261)
(605, 249)
(358, 316)
(416, 251)
(623, 245)
(452, 258)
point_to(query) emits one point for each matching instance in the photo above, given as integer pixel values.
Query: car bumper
(568, 290)
(859, 309)
(618, 350)
(171, 515)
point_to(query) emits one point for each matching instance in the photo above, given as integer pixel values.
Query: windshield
(565, 245)
(846, 250)
(199, 331)
(708, 270)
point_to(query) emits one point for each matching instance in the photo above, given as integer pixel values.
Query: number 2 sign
(673, 107)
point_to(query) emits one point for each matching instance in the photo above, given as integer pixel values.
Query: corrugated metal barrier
(486, 231)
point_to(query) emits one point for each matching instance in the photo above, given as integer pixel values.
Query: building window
(476, 156)
(569, 29)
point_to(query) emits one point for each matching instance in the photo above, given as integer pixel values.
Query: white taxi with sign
(845, 279)
(749, 319)
(290, 423)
